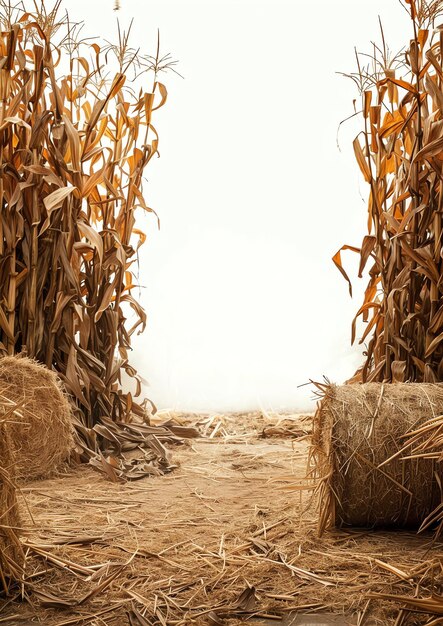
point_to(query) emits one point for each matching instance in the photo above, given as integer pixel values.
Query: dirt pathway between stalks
(217, 541)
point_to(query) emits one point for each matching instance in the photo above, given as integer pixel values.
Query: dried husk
(399, 153)
(75, 139)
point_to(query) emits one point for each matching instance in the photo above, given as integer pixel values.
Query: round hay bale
(11, 555)
(41, 428)
(359, 455)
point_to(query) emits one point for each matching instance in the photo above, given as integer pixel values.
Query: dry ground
(219, 540)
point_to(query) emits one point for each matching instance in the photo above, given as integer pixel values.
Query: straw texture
(10, 551)
(40, 431)
(359, 455)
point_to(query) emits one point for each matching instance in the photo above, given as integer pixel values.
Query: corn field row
(75, 140)
(400, 154)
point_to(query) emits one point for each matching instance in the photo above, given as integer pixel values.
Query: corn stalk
(75, 141)
(400, 154)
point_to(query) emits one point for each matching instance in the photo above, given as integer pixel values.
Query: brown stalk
(402, 160)
(71, 190)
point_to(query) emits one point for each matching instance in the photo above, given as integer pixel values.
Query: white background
(254, 196)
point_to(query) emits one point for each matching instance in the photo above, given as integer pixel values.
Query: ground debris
(208, 544)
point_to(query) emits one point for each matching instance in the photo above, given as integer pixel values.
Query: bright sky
(254, 196)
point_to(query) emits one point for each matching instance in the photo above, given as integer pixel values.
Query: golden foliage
(400, 154)
(75, 140)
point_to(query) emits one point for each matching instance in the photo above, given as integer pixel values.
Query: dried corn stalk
(74, 145)
(400, 154)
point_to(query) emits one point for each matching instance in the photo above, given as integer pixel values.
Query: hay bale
(41, 429)
(11, 555)
(357, 452)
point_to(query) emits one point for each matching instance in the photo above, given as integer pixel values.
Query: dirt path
(218, 540)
